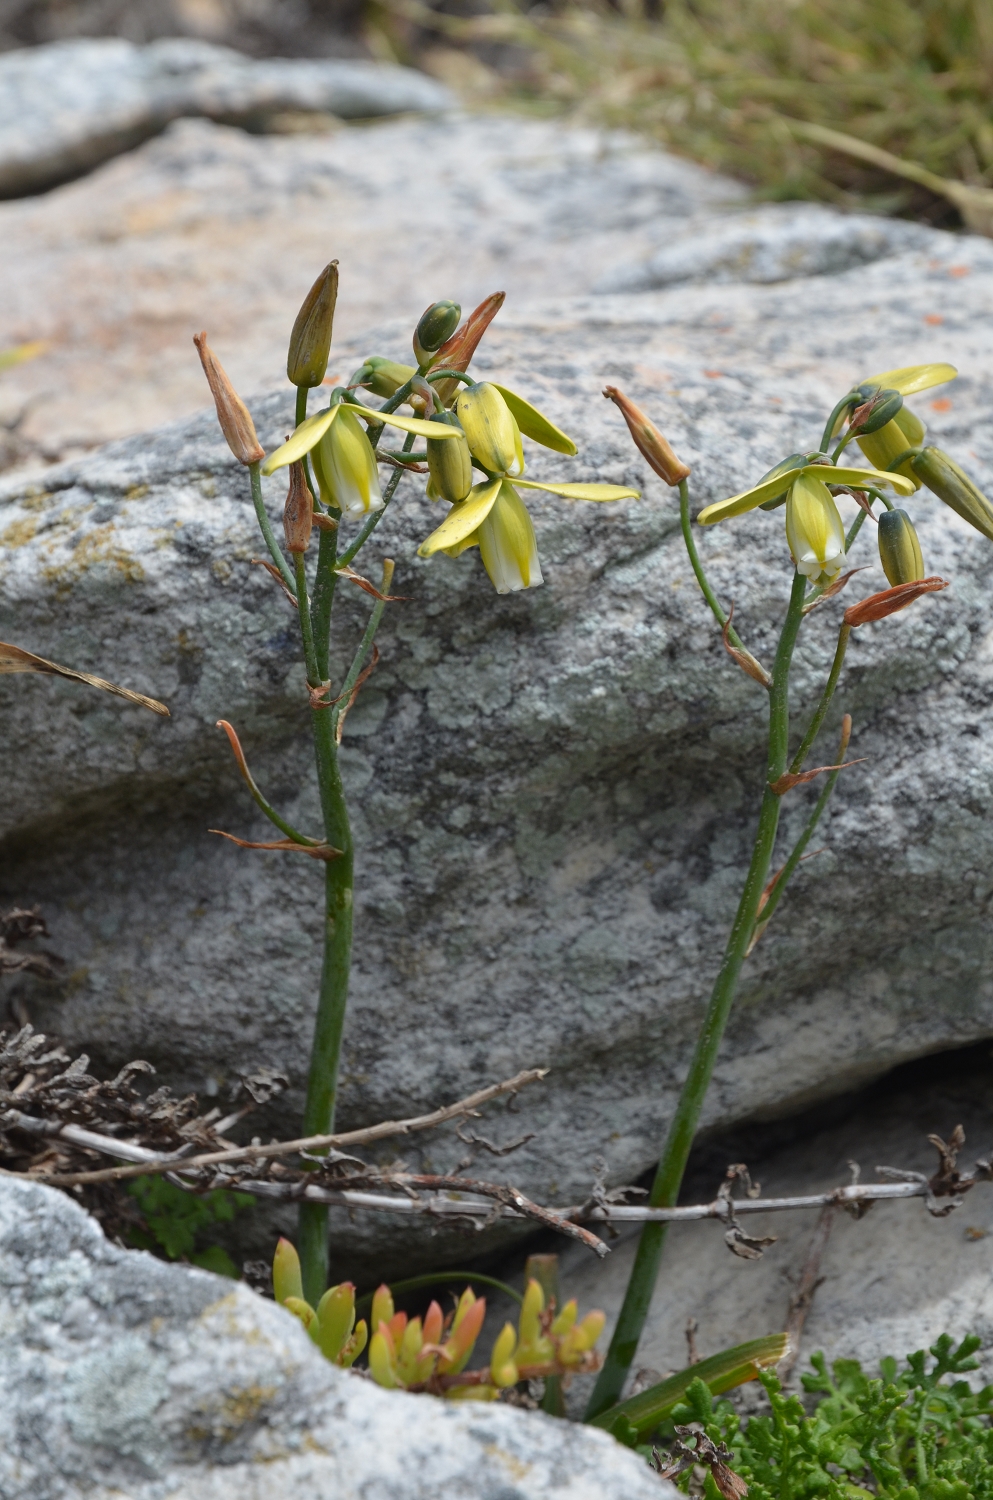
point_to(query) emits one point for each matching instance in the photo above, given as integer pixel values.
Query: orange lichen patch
(933, 319)
(942, 404)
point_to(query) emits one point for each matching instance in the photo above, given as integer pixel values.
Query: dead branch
(313, 1143)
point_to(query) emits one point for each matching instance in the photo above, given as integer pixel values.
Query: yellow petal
(738, 504)
(583, 491)
(462, 519)
(912, 378)
(407, 424)
(534, 424)
(856, 477)
(305, 437)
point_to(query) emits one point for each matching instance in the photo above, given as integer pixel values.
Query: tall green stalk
(683, 1127)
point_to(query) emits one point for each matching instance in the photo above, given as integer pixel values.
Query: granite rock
(777, 242)
(69, 105)
(553, 792)
(123, 1376)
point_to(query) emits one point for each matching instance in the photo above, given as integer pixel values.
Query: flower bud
(814, 529)
(882, 447)
(298, 512)
(310, 341)
(232, 413)
(456, 352)
(493, 436)
(891, 601)
(421, 398)
(881, 407)
(647, 439)
(944, 477)
(386, 376)
(899, 548)
(450, 464)
(347, 466)
(437, 324)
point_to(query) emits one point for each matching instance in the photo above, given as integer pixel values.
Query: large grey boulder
(123, 1376)
(69, 105)
(554, 792)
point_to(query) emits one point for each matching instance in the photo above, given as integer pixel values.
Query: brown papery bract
(647, 439)
(232, 413)
(456, 353)
(298, 512)
(889, 601)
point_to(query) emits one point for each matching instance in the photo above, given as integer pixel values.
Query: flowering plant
(334, 459)
(873, 415)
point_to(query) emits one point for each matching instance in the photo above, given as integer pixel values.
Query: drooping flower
(888, 445)
(814, 529)
(493, 517)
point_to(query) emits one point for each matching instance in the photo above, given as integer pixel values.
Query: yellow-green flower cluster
(482, 431)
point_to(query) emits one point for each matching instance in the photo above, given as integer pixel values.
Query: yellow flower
(346, 468)
(494, 518)
(772, 487)
(814, 529)
(906, 430)
(493, 436)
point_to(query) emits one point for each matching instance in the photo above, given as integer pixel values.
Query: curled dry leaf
(788, 780)
(283, 846)
(889, 601)
(746, 661)
(362, 678)
(15, 659)
(263, 562)
(370, 588)
(835, 587)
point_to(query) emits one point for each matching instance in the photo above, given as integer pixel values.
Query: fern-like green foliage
(915, 1434)
(177, 1220)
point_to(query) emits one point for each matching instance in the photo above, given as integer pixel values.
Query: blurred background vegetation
(718, 81)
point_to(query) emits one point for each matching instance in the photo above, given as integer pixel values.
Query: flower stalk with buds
(809, 485)
(473, 436)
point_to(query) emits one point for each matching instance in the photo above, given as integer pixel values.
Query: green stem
(697, 565)
(434, 1278)
(799, 849)
(363, 647)
(796, 764)
(842, 406)
(301, 416)
(322, 1078)
(275, 551)
(682, 1129)
(306, 625)
(371, 522)
(324, 587)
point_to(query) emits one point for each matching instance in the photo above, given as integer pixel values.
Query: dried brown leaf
(283, 846)
(263, 562)
(788, 780)
(889, 601)
(16, 659)
(370, 588)
(746, 661)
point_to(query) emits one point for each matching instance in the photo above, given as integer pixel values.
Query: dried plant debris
(20, 926)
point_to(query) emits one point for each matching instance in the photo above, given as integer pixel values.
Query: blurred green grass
(717, 81)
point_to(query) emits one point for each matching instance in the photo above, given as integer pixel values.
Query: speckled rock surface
(67, 106)
(209, 225)
(123, 1376)
(554, 792)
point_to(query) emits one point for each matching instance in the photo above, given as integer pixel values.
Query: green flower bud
(437, 325)
(899, 549)
(450, 464)
(493, 436)
(883, 447)
(310, 341)
(880, 408)
(386, 376)
(944, 477)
